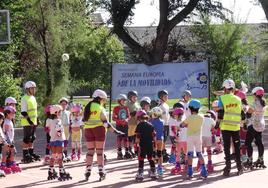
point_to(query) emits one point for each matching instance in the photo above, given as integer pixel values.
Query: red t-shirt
(121, 115)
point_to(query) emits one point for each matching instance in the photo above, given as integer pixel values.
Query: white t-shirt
(171, 123)
(208, 124)
(165, 114)
(187, 111)
(257, 118)
(77, 121)
(8, 130)
(65, 117)
(56, 130)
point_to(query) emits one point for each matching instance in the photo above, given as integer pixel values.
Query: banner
(173, 77)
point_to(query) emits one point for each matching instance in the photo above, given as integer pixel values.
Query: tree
(226, 45)
(172, 12)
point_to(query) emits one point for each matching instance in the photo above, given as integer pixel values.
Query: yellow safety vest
(95, 116)
(31, 110)
(232, 112)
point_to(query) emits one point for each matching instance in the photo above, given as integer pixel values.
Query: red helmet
(140, 113)
(240, 94)
(177, 111)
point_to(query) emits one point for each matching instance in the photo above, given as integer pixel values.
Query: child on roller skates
(46, 129)
(133, 107)
(181, 141)
(2, 140)
(145, 137)
(194, 141)
(121, 116)
(158, 124)
(56, 131)
(8, 164)
(65, 119)
(76, 130)
(256, 128)
(207, 128)
(217, 130)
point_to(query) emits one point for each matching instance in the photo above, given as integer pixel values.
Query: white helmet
(63, 99)
(55, 108)
(10, 100)
(99, 93)
(255, 89)
(146, 99)
(157, 111)
(29, 84)
(122, 97)
(228, 84)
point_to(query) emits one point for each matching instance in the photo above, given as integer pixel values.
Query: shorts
(131, 129)
(146, 150)
(123, 128)
(206, 141)
(57, 143)
(29, 133)
(194, 143)
(67, 132)
(95, 134)
(166, 132)
(76, 136)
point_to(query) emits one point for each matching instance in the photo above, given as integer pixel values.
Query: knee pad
(209, 152)
(90, 152)
(99, 151)
(140, 158)
(27, 140)
(190, 154)
(159, 153)
(199, 155)
(33, 138)
(65, 143)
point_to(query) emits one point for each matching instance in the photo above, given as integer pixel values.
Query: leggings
(251, 135)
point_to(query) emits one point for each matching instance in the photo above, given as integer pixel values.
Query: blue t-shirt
(159, 128)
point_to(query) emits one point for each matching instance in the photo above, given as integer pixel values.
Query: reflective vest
(31, 110)
(232, 112)
(95, 116)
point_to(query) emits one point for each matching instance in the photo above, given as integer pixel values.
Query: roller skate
(240, 171)
(159, 170)
(14, 167)
(52, 174)
(88, 173)
(64, 175)
(152, 174)
(105, 158)
(248, 164)
(132, 153)
(190, 172)
(216, 151)
(198, 166)
(226, 170)
(259, 163)
(27, 159)
(119, 154)
(210, 166)
(172, 158)
(46, 159)
(176, 170)
(2, 173)
(102, 173)
(73, 157)
(165, 156)
(4, 168)
(139, 176)
(34, 156)
(66, 158)
(128, 155)
(204, 172)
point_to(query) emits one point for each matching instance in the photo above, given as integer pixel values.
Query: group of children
(146, 127)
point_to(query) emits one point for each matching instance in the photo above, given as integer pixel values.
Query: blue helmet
(194, 104)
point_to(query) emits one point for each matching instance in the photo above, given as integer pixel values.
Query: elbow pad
(243, 115)
(24, 114)
(220, 114)
(248, 115)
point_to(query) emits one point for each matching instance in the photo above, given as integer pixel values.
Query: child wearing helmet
(2, 141)
(145, 138)
(163, 98)
(194, 124)
(56, 132)
(8, 164)
(46, 129)
(65, 116)
(207, 128)
(76, 130)
(180, 140)
(186, 97)
(121, 116)
(256, 128)
(216, 130)
(133, 107)
(158, 124)
(10, 101)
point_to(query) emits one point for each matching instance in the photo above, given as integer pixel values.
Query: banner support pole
(209, 84)
(111, 82)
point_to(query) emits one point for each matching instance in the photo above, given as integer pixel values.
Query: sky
(147, 13)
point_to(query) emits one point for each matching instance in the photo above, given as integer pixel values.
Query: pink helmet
(212, 113)
(76, 108)
(177, 111)
(11, 109)
(258, 91)
(240, 94)
(140, 113)
(47, 109)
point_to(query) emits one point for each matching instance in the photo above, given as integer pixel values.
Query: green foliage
(226, 45)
